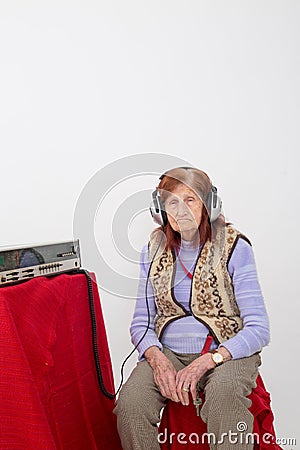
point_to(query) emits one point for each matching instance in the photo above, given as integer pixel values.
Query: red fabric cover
(49, 393)
(177, 419)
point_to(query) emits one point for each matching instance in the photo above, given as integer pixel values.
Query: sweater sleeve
(255, 333)
(144, 304)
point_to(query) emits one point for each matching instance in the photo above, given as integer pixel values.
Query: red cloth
(49, 392)
(183, 419)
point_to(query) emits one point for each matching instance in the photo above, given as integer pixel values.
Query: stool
(180, 427)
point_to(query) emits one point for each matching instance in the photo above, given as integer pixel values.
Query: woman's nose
(182, 209)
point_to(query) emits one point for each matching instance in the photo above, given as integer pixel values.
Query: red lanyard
(207, 344)
(209, 337)
(189, 274)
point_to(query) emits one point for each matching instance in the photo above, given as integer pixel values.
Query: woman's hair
(199, 182)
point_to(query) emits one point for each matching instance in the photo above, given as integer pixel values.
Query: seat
(181, 426)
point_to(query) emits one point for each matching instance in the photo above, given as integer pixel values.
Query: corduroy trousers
(226, 405)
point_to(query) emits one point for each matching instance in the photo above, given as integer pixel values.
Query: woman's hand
(190, 375)
(164, 372)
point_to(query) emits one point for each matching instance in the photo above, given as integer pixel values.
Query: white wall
(214, 83)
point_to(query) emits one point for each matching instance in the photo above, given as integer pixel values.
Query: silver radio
(22, 263)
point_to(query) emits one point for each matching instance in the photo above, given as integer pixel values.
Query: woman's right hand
(164, 372)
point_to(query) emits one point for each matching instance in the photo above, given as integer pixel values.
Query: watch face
(218, 358)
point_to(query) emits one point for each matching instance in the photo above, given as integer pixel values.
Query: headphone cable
(108, 394)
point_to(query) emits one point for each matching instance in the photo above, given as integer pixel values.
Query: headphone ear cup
(214, 204)
(157, 211)
(164, 218)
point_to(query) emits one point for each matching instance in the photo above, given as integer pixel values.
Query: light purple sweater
(187, 334)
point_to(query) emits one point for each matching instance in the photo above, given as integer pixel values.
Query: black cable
(94, 334)
(108, 394)
(148, 315)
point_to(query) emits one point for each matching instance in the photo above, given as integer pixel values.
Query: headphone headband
(166, 173)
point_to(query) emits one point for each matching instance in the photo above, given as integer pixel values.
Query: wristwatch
(217, 358)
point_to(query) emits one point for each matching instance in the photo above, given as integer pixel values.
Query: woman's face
(184, 210)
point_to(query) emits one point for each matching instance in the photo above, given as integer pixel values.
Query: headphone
(159, 215)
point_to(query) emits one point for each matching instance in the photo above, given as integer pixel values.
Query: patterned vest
(212, 299)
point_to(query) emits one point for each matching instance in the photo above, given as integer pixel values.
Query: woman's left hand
(190, 375)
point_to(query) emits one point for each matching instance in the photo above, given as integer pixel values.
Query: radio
(23, 263)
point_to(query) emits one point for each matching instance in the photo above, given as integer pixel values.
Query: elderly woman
(197, 279)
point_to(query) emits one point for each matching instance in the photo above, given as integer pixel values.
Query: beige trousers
(226, 404)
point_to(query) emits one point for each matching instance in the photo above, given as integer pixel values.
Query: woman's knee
(139, 399)
(130, 399)
(234, 379)
(226, 391)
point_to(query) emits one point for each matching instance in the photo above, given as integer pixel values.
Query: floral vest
(212, 299)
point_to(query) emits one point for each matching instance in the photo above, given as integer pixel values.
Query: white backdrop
(84, 84)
